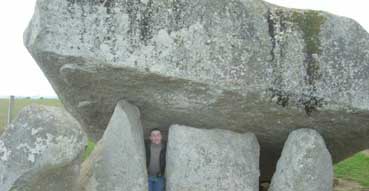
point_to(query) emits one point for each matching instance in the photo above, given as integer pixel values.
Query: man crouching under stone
(155, 160)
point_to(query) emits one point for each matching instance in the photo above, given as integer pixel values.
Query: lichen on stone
(280, 27)
(280, 97)
(309, 22)
(281, 24)
(38, 148)
(4, 152)
(145, 23)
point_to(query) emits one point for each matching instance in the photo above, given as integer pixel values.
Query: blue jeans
(156, 183)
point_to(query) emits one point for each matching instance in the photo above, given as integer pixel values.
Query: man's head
(155, 136)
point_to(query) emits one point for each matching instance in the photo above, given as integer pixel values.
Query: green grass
(90, 148)
(355, 168)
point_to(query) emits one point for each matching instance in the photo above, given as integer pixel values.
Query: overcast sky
(21, 76)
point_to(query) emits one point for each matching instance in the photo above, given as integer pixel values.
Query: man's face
(155, 137)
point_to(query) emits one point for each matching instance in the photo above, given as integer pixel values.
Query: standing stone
(41, 151)
(203, 160)
(305, 164)
(118, 161)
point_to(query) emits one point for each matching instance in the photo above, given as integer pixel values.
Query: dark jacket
(161, 157)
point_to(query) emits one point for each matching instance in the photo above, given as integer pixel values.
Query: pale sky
(21, 76)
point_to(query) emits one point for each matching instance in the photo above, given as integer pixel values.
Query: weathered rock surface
(243, 65)
(41, 151)
(305, 164)
(216, 159)
(118, 161)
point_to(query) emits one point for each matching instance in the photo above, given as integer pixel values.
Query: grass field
(355, 168)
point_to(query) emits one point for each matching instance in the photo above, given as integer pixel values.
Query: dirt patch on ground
(347, 185)
(339, 185)
(366, 152)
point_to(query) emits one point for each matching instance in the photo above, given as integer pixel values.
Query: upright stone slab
(118, 161)
(204, 160)
(41, 151)
(305, 164)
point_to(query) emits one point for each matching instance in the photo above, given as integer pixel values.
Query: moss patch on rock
(309, 22)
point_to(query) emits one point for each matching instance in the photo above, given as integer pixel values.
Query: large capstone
(41, 151)
(118, 161)
(242, 65)
(305, 164)
(216, 159)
